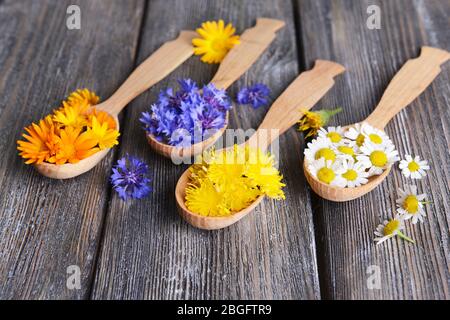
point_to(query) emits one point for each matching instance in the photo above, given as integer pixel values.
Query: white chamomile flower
(377, 157)
(410, 204)
(345, 150)
(354, 174)
(333, 134)
(319, 148)
(327, 172)
(414, 168)
(389, 229)
(364, 132)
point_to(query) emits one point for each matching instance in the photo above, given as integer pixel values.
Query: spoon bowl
(206, 222)
(308, 88)
(339, 194)
(409, 82)
(169, 151)
(253, 42)
(155, 68)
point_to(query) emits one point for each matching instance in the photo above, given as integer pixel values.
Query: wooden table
(302, 248)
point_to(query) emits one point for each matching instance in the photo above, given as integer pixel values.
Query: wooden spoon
(412, 79)
(155, 68)
(308, 88)
(253, 43)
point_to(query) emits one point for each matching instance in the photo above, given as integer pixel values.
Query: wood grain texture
(372, 57)
(149, 252)
(48, 225)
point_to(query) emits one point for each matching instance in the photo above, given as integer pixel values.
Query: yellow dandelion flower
(215, 42)
(229, 181)
(312, 121)
(74, 146)
(205, 199)
(105, 137)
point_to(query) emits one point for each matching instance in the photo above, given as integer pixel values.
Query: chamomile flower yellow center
(326, 153)
(326, 175)
(334, 137)
(346, 150)
(360, 140)
(378, 158)
(391, 227)
(413, 166)
(350, 175)
(375, 138)
(411, 204)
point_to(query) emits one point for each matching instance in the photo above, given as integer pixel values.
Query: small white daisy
(410, 204)
(414, 168)
(333, 134)
(364, 132)
(389, 229)
(319, 148)
(377, 157)
(327, 172)
(345, 150)
(354, 174)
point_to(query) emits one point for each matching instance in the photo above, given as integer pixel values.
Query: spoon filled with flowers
(185, 123)
(80, 133)
(345, 163)
(228, 184)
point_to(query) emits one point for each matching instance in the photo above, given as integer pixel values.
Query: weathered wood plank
(47, 225)
(337, 30)
(149, 252)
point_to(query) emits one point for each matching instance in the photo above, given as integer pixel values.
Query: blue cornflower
(131, 178)
(185, 117)
(256, 95)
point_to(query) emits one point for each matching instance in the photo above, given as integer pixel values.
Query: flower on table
(215, 41)
(131, 178)
(312, 121)
(390, 229)
(414, 167)
(68, 135)
(410, 204)
(226, 182)
(188, 115)
(256, 95)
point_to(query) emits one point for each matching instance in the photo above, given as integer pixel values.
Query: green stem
(426, 202)
(401, 235)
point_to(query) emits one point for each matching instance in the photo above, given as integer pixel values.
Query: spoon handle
(253, 43)
(301, 95)
(412, 79)
(155, 68)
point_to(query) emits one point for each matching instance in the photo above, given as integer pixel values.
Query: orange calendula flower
(73, 132)
(40, 143)
(74, 146)
(83, 99)
(102, 117)
(105, 138)
(69, 116)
